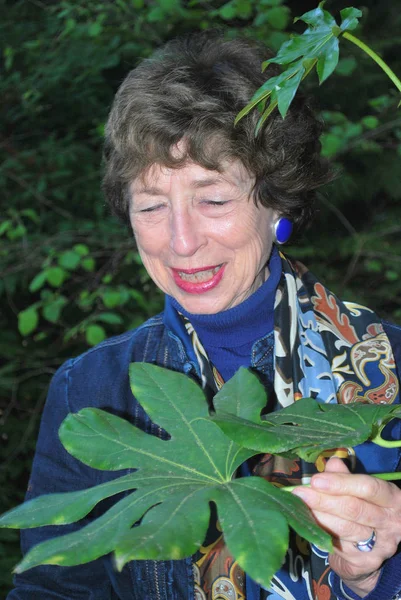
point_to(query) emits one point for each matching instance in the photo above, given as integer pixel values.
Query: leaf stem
(375, 57)
(388, 476)
(379, 441)
(291, 488)
(384, 476)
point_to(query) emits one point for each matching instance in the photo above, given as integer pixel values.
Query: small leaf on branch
(28, 320)
(328, 61)
(95, 334)
(350, 18)
(317, 46)
(317, 17)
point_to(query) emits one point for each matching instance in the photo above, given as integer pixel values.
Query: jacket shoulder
(99, 376)
(153, 327)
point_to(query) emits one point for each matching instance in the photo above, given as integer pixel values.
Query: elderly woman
(208, 204)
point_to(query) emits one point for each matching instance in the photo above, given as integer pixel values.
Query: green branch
(374, 56)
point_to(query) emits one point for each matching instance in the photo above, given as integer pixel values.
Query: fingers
(336, 465)
(341, 529)
(349, 509)
(350, 563)
(346, 535)
(338, 481)
(351, 519)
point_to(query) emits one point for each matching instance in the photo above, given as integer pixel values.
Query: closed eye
(151, 208)
(215, 202)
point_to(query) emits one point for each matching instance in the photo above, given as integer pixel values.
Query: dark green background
(69, 273)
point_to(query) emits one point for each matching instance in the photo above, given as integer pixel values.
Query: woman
(208, 204)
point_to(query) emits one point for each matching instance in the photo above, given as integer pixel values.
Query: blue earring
(283, 229)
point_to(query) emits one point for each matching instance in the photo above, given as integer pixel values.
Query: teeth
(200, 276)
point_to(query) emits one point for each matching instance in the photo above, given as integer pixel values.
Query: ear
(275, 216)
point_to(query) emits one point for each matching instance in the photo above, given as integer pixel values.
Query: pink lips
(198, 287)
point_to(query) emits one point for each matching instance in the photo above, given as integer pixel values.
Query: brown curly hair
(192, 89)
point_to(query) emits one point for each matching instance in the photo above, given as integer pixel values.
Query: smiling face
(201, 237)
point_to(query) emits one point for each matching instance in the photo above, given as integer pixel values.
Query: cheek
(253, 237)
(149, 243)
(253, 257)
(152, 250)
(155, 268)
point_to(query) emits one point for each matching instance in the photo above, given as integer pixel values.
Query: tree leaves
(305, 428)
(28, 320)
(317, 47)
(175, 482)
(95, 334)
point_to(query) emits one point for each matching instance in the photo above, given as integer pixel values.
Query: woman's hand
(352, 507)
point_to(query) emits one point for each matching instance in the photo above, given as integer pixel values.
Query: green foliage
(175, 481)
(63, 62)
(304, 429)
(28, 320)
(177, 478)
(317, 47)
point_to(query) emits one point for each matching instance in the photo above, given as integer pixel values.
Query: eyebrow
(196, 183)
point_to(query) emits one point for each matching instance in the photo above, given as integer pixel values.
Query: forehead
(192, 175)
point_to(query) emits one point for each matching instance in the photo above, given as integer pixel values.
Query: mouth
(197, 281)
(199, 275)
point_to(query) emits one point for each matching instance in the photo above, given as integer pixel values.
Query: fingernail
(320, 483)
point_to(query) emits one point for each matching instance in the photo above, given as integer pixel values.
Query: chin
(202, 306)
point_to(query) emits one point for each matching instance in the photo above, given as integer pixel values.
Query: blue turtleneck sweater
(228, 336)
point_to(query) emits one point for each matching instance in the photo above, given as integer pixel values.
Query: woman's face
(200, 235)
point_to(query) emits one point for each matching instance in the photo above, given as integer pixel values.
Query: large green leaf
(61, 509)
(306, 428)
(175, 482)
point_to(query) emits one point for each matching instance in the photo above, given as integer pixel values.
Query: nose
(186, 235)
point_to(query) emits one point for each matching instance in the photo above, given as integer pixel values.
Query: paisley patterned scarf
(326, 349)
(330, 350)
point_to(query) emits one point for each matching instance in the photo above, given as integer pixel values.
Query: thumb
(336, 465)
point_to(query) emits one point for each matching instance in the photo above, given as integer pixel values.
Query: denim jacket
(99, 378)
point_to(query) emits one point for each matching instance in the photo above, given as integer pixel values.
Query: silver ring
(366, 545)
